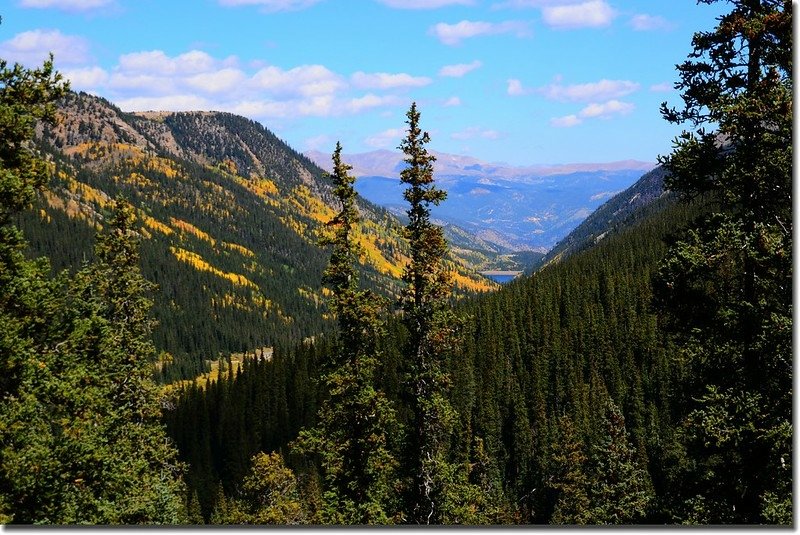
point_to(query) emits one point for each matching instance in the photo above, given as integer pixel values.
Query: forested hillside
(232, 217)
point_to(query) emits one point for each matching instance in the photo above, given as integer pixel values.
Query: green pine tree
(269, 494)
(725, 286)
(30, 303)
(88, 443)
(569, 477)
(355, 421)
(433, 334)
(621, 490)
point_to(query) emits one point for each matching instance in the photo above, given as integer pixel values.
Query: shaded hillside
(231, 217)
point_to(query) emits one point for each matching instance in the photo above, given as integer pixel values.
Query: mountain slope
(616, 214)
(231, 218)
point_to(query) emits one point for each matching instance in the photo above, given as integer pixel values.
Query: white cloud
(592, 14)
(452, 101)
(369, 101)
(66, 5)
(460, 69)
(594, 110)
(196, 80)
(32, 48)
(305, 80)
(606, 109)
(473, 132)
(565, 122)
(157, 62)
(515, 88)
(479, 191)
(594, 91)
(384, 80)
(526, 4)
(220, 81)
(166, 102)
(271, 6)
(453, 34)
(387, 139)
(86, 78)
(425, 4)
(644, 23)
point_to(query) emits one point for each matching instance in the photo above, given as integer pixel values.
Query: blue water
(502, 279)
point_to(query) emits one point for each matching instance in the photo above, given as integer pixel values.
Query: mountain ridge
(230, 215)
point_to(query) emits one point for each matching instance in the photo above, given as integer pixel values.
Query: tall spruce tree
(433, 332)
(29, 301)
(725, 287)
(85, 440)
(355, 420)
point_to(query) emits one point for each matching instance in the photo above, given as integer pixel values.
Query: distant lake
(501, 277)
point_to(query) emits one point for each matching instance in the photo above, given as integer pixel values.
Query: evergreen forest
(198, 326)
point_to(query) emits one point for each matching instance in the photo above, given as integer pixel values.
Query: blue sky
(516, 81)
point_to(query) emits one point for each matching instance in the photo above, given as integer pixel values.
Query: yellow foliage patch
(473, 284)
(263, 187)
(200, 264)
(155, 224)
(244, 251)
(184, 226)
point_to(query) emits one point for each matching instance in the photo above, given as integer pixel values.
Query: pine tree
(355, 421)
(621, 491)
(433, 331)
(725, 286)
(569, 477)
(30, 303)
(88, 444)
(269, 495)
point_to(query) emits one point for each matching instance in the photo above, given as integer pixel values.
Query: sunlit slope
(230, 215)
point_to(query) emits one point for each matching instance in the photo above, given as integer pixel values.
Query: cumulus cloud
(86, 78)
(565, 122)
(425, 4)
(384, 80)
(645, 23)
(607, 109)
(196, 80)
(66, 5)
(515, 88)
(31, 48)
(157, 62)
(305, 80)
(453, 34)
(593, 91)
(387, 139)
(460, 69)
(592, 14)
(370, 100)
(594, 110)
(271, 6)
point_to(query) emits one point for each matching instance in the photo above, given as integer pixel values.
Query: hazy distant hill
(618, 213)
(511, 207)
(231, 217)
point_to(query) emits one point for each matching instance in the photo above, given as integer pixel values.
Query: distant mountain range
(513, 208)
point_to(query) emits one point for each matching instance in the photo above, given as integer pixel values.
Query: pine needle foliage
(352, 435)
